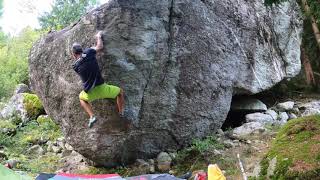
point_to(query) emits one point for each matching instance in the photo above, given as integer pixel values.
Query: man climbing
(94, 87)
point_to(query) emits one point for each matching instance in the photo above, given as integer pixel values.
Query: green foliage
(17, 145)
(206, 144)
(33, 105)
(65, 12)
(296, 147)
(14, 52)
(7, 124)
(314, 9)
(45, 163)
(31, 134)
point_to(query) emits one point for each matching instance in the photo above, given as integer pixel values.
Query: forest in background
(14, 50)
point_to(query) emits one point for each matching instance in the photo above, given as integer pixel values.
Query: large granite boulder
(179, 62)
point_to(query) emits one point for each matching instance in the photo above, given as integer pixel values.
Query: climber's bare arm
(99, 42)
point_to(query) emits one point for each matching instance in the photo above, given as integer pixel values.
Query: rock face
(179, 62)
(248, 104)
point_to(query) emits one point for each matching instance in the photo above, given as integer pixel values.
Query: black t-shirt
(88, 69)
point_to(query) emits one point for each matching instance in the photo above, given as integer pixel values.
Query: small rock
(172, 172)
(66, 153)
(141, 163)
(292, 116)
(22, 88)
(283, 117)
(143, 166)
(228, 143)
(272, 167)
(61, 139)
(295, 110)
(164, 162)
(247, 129)
(36, 150)
(285, 106)
(152, 169)
(217, 152)
(61, 144)
(220, 132)
(272, 113)
(310, 111)
(259, 117)
(68, 146)
(249, 142)
(49, 148)
(56, 149)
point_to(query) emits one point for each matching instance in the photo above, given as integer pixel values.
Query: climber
(94, 87)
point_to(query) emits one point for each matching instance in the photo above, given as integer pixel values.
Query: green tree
(65, 12)
(14, 60)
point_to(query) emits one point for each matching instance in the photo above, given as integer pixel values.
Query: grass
(200, 154)
(33, 132)
(296, 147)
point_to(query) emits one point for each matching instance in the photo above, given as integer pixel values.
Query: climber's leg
(87, 107)
(85, 98)
(120, 102)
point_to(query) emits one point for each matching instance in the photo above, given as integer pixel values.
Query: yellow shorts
(100, 92)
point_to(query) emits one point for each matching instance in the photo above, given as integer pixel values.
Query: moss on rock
(32, 105)
(296, 147)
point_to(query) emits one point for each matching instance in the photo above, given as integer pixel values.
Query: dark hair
(77, 48)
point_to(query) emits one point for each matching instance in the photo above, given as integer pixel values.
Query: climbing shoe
(92, 120)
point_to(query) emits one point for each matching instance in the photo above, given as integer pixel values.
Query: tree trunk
(315, 28)
(307, 68)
